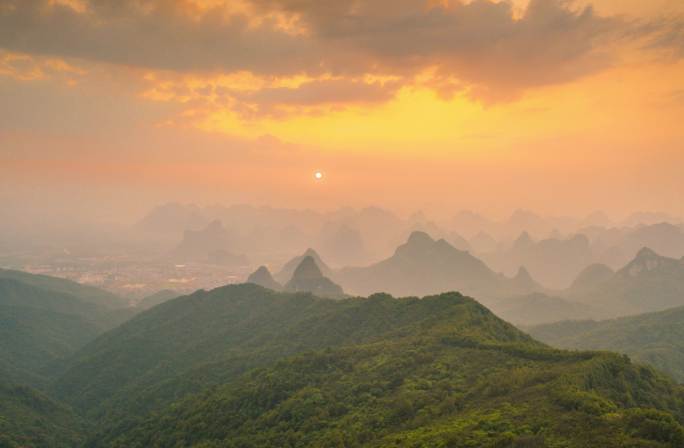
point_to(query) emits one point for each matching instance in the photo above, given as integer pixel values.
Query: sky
(564, 107)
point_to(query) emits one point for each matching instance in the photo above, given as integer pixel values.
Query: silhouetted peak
(419, 239)
(593, 275)
(524, 240)
(311, 253)
(261, 273)
(523, 274)
(645, 261)
(215, 226)
(307, 269)
(646, 254)
(308, 277)
(263, 277)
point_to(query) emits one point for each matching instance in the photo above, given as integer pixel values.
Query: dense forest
(653, 338)
(245, 366)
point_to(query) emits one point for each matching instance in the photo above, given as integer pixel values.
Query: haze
(560, 107)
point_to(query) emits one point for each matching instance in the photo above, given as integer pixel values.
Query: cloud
(484, 47)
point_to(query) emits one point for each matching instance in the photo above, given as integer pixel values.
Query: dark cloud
(316, 94)
(481, 43)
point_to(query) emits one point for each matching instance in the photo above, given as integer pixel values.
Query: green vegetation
(81, 292)
(655, 338)
(457, 377)
(244, 366)
(39, 327)
(30, 419)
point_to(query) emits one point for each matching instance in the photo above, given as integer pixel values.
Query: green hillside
(39, 327)
(654, 338)
(84, 293)
(242, 366)
(209, 338)
(30, 419)
(457, 376)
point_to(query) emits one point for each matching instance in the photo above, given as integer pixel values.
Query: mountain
(592, 277)
(654, 338)
(39, 328)
(172, 218)
(459, 242)
(343, 244)
(553, 261)
(649, 282)
(288, 269)
(84, 293)
(208, 338)
(210, 244)
(263, 277)
(28, 418)
(424, 266)
(524, 281)
(309, 278)
(437, 371)
(483, 243)
(157, 298)
(665, 238)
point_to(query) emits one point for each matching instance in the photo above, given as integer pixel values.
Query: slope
(39, 327)
(655, 338)
(456, 376)
(84, 293)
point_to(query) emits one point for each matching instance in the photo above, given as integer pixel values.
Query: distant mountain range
(649, 282)
(212, 244)
(424, 266)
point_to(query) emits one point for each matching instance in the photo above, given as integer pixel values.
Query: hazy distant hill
(262, 277)
(173, 219)
(655, 338)
(285, 274)
(592, 277)
(308, 278)
(437, 371)
(39, 327)
(343, 244)
(555, 262)
(650, 282)
(211, 244)
(424, 266)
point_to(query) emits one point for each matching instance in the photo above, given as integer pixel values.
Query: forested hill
(242, 366)
(84, 293)
(39, 327)
(653, 338)
(207, 338)
(28, 418)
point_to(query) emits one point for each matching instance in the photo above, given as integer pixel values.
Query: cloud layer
(479, 43)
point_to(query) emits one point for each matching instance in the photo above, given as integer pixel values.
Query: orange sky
(563, 107)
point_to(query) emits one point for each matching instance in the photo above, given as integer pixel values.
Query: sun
(318, 175)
